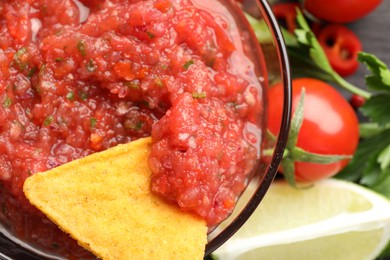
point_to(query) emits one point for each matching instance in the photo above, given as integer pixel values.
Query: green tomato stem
(369, 129)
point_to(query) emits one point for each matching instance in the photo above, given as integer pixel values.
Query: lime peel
(376, 217)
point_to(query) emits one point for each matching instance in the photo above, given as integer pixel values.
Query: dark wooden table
(374, 32)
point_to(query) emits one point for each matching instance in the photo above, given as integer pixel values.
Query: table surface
(374, 32)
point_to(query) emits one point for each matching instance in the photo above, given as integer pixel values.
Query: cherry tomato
(357, 101)
(286, 13)
(340, 11)
(330, 125)
(341, 46)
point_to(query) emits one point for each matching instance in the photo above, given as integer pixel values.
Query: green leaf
(199, 95)
(137, 126)
(289, 38)
(81, 47)
(90, 65)
(306, 37)
(48, 120)
(385, 255)
(150, 34)
(83, 96)
(70, 96)
(260, 29)
(372, 62)
(369, 129)
(7, 102)
(384, 158)
(92, 122)
(364, 166)
(383, 184)
(380, 78)
(18, 58)
(377, 108)
(187, 65)
(132, 84)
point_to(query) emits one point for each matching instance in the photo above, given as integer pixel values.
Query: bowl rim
(281, 141)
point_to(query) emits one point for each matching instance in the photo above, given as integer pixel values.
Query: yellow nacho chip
(105, 203)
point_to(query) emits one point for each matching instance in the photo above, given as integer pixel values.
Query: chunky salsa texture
(77, 77)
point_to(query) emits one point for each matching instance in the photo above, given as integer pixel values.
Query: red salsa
(78, 77)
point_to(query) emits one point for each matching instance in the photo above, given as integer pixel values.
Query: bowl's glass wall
(271, 56)
(275, 60)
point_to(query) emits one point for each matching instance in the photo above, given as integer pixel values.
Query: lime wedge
(332, 220)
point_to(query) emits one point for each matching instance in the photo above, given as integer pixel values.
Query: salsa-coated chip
(104, 201)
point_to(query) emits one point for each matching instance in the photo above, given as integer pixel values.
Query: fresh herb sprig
(370, 165)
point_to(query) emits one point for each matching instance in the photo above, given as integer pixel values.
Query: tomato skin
(330, 125)
(357, 101)
(340, 11)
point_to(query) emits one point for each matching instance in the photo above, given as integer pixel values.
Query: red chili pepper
(316, 27)
(341, 46)
(286, 13)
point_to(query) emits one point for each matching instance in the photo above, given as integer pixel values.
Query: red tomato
(341, 46)
(340, 11)
(357, 101)
(330, 125)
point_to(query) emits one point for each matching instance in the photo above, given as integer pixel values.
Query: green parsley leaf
(135, 126)
(83, 96)
(132, 84)
(90, 65)
(18, 58)
(369, 164)
(377, 108)
(187, 65)
(159, 82)
(384, 158)
(81, 48)
(261, 29)
(31, 72)
(379, 80)
(7, 102)
(150, 34)
(48, 120)
(199, 95)
(42, 70)
(70, 96)
(92, 122)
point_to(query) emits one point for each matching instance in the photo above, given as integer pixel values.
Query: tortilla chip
(105, 203)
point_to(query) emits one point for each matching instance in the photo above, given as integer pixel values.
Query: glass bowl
(270, 55)
(274, 55)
